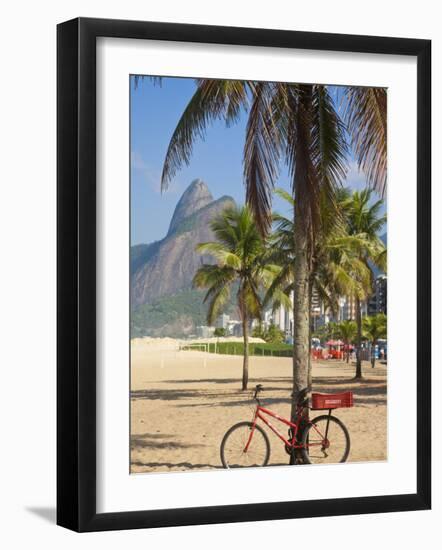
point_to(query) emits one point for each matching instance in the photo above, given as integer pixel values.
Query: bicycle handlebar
(258, 388)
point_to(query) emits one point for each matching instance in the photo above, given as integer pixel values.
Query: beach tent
(335, 349)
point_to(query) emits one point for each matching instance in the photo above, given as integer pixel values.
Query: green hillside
(175, 316)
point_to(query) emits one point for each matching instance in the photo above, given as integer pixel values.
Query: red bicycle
(323, 440)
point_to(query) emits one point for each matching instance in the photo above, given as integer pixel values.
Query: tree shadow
(371, 386)
(252, 381)
(373, 393)
(150, 441)
(265, 402)
(166, 395)
(189, 466)
(157, 435)
(367, 391)
(186, 465)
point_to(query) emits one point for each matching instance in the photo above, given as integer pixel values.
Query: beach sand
(183, 402)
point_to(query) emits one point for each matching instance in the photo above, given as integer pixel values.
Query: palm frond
(224, 256)
(375, 327)
(213, 99)
(157, 80)
(262, 151)
(329, 145)
(217, 298)
(306, 184)
(285, 195)
(209, 275)
(366, 115)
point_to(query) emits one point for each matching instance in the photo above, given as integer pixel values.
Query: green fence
(237, 348)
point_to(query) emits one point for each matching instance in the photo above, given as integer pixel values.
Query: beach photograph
(258, 274)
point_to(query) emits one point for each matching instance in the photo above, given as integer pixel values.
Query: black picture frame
(76, 274)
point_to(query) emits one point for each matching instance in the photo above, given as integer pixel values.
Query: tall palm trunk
(310, 296)
(373, 356)
(301, 327)
(302, 265)
(245, 365)
(358, 338)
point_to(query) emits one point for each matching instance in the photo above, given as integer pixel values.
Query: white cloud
(151, 176)
(355, 178)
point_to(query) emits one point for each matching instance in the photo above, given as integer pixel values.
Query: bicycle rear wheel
(233, 447)
(325, 441)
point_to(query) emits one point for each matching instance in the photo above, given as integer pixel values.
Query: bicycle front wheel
(235, 453)
(325, 441)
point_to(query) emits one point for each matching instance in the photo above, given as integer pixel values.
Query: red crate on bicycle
(332, 400)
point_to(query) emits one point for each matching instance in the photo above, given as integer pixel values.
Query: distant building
(372, 307)
(231, 328)
(267, 318)
(377, 303)
(320, 314)
(222, 321)
(347, 308)
(283, 319)
(204, 331)
(237, 329)
(381, 294)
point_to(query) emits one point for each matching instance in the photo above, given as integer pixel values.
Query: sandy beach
(183, 402)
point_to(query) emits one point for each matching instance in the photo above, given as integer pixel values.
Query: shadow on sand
(186, 465)
(370, 392)
(150, 441)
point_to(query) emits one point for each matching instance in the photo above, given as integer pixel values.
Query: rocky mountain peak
(195, 197)
(165, 269)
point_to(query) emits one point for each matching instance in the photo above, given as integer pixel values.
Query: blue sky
(155, 111)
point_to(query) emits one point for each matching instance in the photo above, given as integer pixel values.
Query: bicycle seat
(259, 387)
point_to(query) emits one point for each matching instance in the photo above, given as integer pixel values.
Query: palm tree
(347, 332)
(375, 327)
(297, 124)
(320, 277)
(294, 123)
(238, 252)
(339, 264)
(365, 221)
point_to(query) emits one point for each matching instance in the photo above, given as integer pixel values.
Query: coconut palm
(354, 279)
(374, 328)
(296, 124)
(347, 333)
(365, 221)
(238, 252)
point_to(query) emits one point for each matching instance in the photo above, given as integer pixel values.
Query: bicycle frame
(259, 415)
